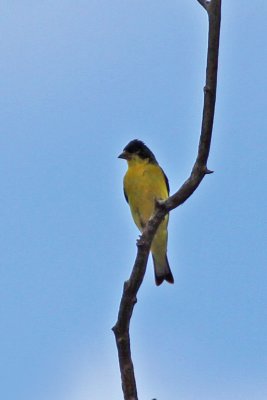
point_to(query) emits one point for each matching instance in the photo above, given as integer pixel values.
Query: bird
(145, 183)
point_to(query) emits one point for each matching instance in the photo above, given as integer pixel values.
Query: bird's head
(137, 150)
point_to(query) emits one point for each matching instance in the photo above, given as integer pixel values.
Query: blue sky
(79, 80)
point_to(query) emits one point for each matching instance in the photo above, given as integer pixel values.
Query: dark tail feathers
(162, 272)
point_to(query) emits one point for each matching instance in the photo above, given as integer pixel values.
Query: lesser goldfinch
(143, 184)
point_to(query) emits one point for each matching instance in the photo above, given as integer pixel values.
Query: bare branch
(131, 287)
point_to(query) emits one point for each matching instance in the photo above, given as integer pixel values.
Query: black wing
(125, 195)
(166, 181)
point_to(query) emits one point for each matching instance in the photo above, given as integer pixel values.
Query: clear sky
(79, 80)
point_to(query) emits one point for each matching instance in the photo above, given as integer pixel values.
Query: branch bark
(199, 170)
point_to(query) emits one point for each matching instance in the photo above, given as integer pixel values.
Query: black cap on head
(138, 147)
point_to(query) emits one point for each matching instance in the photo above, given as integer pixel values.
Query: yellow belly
(143, 184)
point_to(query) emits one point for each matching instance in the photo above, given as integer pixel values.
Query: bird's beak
(124, 155)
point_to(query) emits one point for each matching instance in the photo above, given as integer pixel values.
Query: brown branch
(131, 287)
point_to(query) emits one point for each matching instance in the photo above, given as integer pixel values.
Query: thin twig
(131, 287)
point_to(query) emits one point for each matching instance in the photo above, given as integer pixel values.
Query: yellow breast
(143, 184)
